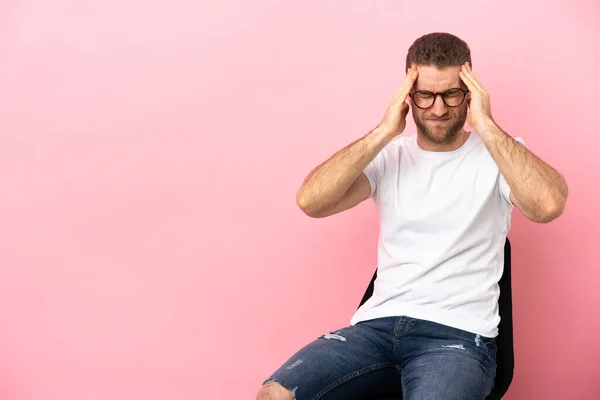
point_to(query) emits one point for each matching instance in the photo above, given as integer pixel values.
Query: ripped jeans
(406, 357)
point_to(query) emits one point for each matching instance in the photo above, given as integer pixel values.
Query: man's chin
(438, 136)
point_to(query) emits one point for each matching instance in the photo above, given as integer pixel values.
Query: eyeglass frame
(435, 95)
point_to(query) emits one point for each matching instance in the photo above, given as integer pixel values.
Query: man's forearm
(539, 190)
(328, 182)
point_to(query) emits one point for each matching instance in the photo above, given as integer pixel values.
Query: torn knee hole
(334, 336)
(454, 346)
(273, 387)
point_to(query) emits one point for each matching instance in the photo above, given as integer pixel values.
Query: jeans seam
(397, 332)
(488, 349)
(402, 384)
(350, 376)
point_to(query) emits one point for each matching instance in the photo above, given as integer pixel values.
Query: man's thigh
(347, 364)
(446, 363)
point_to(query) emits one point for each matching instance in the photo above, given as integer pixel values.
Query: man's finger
(469, 74)
(467, 80)
(408, 83)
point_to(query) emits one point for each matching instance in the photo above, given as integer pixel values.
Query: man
(444, 198)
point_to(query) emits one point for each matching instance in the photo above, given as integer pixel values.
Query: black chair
(505, 355)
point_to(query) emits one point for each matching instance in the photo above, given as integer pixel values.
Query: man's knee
(274, 391)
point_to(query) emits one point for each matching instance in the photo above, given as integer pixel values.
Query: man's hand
(394, 120)
(480, 110)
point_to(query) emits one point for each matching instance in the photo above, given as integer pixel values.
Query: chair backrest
(505, 359)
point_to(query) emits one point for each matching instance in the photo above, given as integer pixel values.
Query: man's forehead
(437, 80)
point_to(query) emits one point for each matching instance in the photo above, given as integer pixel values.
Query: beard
(441, 134)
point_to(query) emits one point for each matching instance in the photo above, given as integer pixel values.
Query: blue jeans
(420, 359)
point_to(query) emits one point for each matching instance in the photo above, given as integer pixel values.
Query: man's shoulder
(392, 152)
(403, 140)
(399, 143)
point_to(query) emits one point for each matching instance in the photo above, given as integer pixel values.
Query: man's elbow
(304, 203)
(553, 208)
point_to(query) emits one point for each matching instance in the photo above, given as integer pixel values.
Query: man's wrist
(380, 134)
(488, 129)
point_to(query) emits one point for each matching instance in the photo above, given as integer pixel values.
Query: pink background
(150, 152)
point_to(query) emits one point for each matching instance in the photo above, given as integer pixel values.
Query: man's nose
(439, 108)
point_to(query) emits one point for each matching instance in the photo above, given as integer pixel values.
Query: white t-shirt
(444, 217)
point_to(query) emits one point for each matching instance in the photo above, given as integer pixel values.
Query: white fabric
(444, 217)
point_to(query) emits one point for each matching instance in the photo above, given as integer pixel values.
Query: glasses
(451, 97)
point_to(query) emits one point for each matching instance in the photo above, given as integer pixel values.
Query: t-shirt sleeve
(504, 188)
(374, 171)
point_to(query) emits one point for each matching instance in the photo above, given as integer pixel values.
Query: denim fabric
(422, 360)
